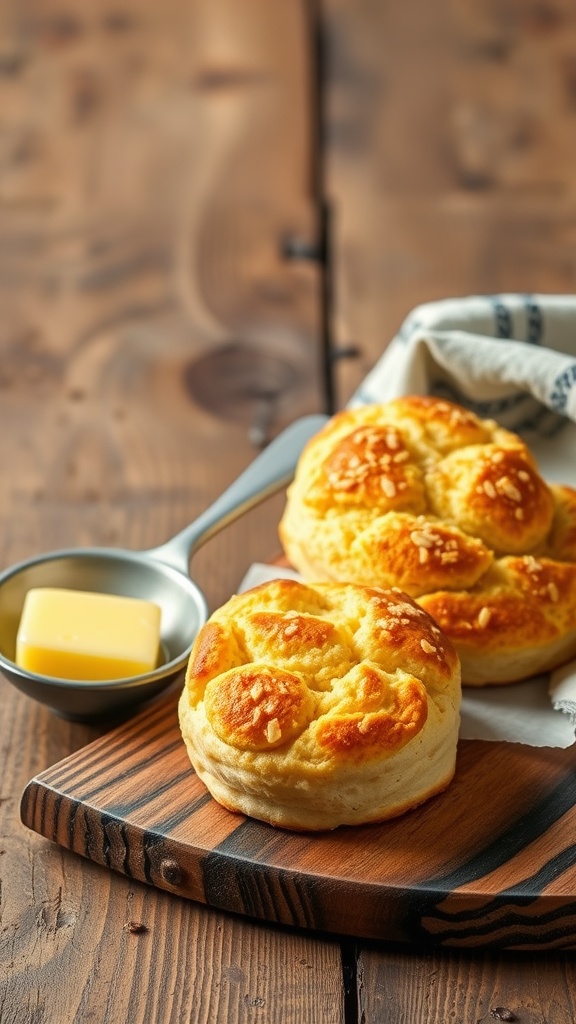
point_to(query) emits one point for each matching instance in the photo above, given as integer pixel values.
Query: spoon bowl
(160, 575)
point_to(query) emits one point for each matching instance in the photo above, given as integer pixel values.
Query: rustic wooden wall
(153, 157)
(452, 155)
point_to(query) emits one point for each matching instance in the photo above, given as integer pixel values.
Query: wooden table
(158, 162)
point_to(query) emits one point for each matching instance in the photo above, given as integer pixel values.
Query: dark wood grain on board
(490, 863)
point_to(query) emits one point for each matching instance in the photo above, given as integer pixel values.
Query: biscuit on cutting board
(311, 707)
(422, 494)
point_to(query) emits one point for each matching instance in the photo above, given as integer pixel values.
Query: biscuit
(422, 494)
(311, 707)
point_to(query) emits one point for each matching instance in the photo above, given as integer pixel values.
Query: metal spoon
(160, 574)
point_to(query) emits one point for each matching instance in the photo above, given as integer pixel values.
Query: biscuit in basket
(421, 494)
(311, 707)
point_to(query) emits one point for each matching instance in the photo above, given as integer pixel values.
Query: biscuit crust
(422, 494)
(311, 707)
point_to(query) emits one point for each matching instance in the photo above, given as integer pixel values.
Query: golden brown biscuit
(314, 707)
(422, 494)
(520, 621)
(494, 493)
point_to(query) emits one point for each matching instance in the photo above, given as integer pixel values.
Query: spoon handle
(270, 471)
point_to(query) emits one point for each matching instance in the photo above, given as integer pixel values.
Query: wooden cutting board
(489, 863)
